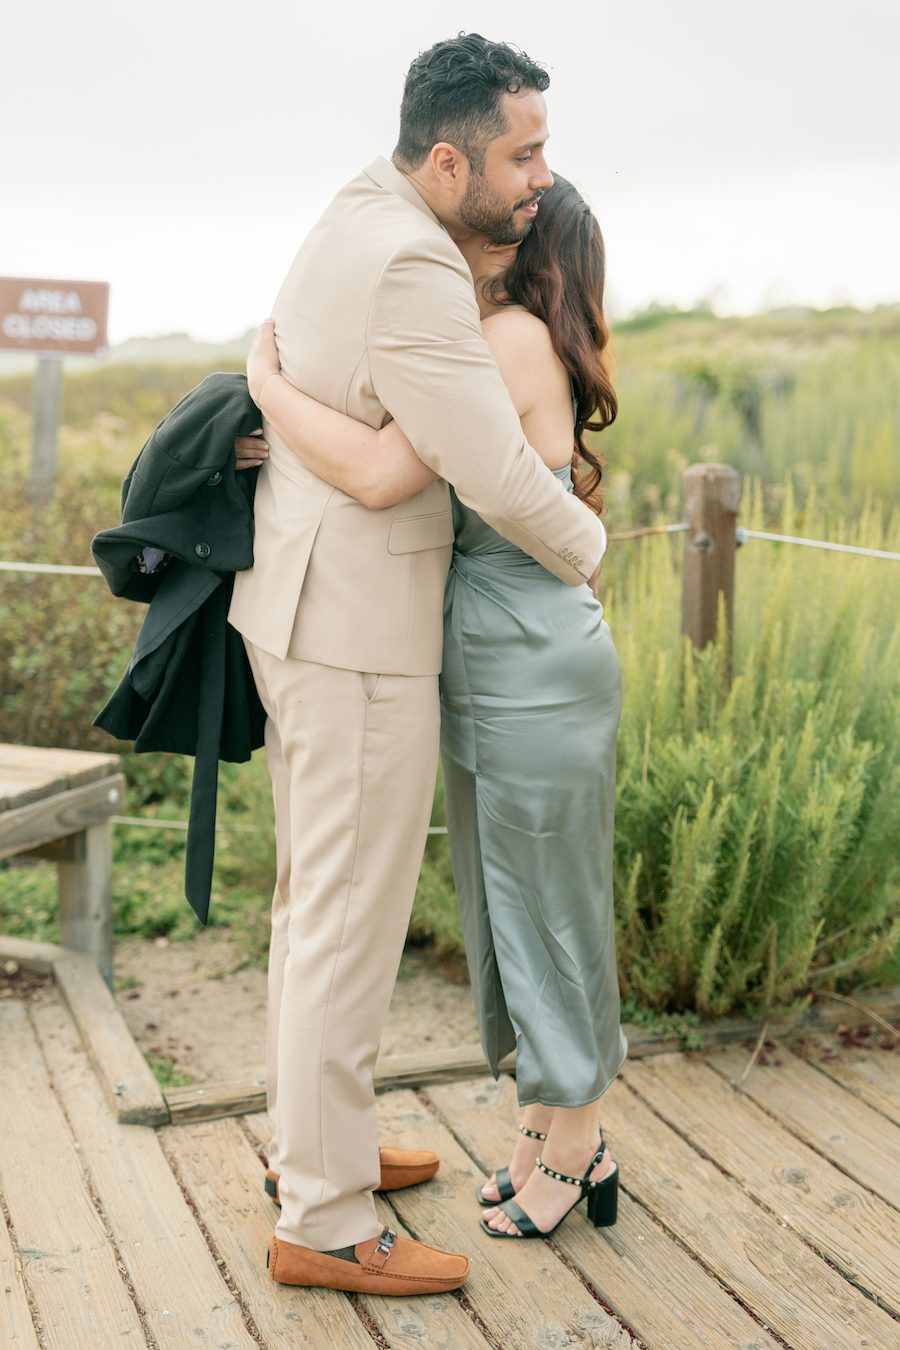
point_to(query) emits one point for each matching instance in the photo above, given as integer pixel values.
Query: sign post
(44, 447)
(50, 318)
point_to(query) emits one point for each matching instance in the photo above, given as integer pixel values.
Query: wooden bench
(57, 804)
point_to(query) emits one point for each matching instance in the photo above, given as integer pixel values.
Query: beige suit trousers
(353, 758)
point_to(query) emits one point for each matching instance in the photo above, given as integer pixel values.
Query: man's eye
(523, 159)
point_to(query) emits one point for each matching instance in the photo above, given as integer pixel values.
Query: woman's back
(537, 380)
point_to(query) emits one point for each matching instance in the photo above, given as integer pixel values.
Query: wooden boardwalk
(752, 1216)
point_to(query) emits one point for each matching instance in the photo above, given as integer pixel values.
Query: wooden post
(85, 898)
(712, 495)
(44, 448)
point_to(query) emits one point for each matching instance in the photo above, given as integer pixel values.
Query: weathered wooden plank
(433, 1320)
(521, 1291)
(844, 1221)
(220, 1171)
(17, 1330)
(69, 1266)
(456, 1063)
(133, 1093)
(18, 787)
(772, 1271)
(855, 1137)
(210, 1101)
(444, 1065)
(872, 1075)
(68, 766)
(177, 1282)
(214, 1101)
(61, 814)
(36, 956)
(623, 1263)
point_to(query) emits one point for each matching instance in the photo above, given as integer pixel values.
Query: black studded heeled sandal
(505, 1189)
(602, 1197)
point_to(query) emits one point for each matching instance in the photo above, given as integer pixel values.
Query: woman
(529, 713)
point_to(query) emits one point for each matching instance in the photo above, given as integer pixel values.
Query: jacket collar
(389, 177)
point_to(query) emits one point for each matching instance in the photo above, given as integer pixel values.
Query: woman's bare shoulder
(514, 323)
(516, 335)
(536, 379)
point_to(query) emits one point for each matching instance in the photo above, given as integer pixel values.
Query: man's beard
(482, 211)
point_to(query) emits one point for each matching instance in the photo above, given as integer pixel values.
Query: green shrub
(64, 643)
(753, 826)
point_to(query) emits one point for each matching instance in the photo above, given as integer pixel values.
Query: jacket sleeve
(434, 373)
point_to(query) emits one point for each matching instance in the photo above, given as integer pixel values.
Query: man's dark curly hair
(453, 93)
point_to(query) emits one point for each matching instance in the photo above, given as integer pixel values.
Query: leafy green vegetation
(166, 1074)
(757, 821)
(754, 820)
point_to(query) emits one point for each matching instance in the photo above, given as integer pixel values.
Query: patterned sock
(343, 1254)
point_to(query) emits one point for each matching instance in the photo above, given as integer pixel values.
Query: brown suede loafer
(386, 1264)
(399, 1167)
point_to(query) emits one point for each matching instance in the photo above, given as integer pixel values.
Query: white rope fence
(742, 535)
(55, 569)
(680, 528)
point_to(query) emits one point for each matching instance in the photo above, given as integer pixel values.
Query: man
(342, 619)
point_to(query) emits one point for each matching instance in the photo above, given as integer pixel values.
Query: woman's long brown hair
(559, 273)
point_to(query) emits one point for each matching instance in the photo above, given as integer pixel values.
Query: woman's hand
(250, 451)
(262, 360)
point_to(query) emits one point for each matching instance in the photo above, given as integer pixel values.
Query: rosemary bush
(756, 824)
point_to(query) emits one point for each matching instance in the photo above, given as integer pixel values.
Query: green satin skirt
(530, 698)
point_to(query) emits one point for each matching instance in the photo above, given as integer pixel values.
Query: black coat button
(214, 479)
(202, 550)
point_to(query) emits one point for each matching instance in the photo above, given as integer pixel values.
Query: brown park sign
(53, 316)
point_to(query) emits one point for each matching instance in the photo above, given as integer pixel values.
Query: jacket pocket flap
(420, 532)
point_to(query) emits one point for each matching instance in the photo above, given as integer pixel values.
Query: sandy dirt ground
(190, 1002)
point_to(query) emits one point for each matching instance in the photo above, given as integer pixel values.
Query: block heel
(603, 1200)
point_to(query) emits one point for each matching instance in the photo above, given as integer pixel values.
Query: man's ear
(450, 166)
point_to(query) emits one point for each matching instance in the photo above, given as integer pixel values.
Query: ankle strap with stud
(531, 1134)
(573, 1181)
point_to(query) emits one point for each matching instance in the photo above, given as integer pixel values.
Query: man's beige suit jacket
(377, 318)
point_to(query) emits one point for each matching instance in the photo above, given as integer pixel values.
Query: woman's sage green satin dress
(529, 712)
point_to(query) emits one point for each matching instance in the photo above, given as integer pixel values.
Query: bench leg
(85, 899)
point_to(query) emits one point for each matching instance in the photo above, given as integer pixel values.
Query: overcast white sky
(180, 149)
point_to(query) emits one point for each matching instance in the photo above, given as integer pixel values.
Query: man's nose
(542, 180)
